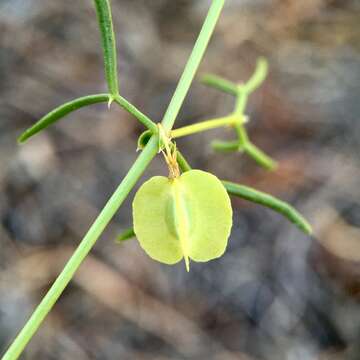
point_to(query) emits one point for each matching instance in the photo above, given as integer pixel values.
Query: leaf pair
(187, 217)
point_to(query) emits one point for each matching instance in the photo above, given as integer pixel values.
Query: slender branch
(242, 136)
(137, 113)
(220, 83)
(244, 142)
(241, 100)
(192, 64)
(206, 125)
(269, 201)
(60, 112)
(103, 11)
(240, 105)
(83, 249)
(122, 191)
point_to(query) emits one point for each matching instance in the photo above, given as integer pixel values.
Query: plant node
(169, 151)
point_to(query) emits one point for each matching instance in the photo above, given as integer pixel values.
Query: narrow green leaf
(103, 11)
(60, 112)
(220, 83)
(126, 235)
(271, 202)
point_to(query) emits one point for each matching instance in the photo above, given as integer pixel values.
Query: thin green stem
(269, 201)
(83, 249)
(241, 100)
(244, 142)
(206, 125)
(137, 113)
(242, 136)
(126, 185)
(192, 64)
(103, 11)
(240, 105)
(220, 83)
(60, 112)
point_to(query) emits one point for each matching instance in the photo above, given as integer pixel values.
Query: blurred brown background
(276, 294)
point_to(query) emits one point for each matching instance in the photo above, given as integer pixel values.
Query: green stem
(241, 100)
(244, 142)
(137, 113)
(220, 83)
(103, 11)
(240, 105)
(192, 64)
(60, 112)
(126, 185)
(271, 202)
(206, 125)
(242, 136)
(83, 249)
